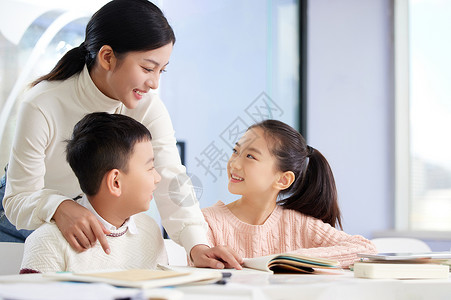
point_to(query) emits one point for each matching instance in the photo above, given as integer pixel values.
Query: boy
(112, 157)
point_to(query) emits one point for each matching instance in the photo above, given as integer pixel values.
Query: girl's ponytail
(315, 193)
(70, 64)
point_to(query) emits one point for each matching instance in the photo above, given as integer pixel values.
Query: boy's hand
(218, 257)
(80, 227)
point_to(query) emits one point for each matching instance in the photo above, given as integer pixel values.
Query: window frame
(402, 129)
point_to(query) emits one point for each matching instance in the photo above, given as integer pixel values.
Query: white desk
(346, 287)
(249, 285)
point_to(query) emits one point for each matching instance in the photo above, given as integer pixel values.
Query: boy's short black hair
(100, 143)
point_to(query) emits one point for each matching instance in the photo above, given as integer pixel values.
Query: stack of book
(430, 265)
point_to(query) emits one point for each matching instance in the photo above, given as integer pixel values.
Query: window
(26, 55)
(234, 63)
(423, 95)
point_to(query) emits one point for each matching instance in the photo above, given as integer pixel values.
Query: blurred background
(366, 82)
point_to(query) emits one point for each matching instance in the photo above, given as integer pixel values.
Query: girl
(288, 200)
(127, 46)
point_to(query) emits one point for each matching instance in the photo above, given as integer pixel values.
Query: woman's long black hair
(124, 25)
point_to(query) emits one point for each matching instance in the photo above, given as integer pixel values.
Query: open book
(290, 263)
(140, 278)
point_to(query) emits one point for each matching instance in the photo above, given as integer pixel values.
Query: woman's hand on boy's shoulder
(80, 227)
(218, 257)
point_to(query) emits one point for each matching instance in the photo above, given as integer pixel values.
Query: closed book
(140, 278)
(400, 270)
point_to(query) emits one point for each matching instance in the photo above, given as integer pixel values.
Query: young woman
(288, 200)
(127, 46)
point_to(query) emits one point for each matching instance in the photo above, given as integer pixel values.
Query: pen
(224, 276)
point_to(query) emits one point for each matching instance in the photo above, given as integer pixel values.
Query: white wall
(350, 105)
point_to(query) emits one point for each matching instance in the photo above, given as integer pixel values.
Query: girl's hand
(218, 257)
(80, 227)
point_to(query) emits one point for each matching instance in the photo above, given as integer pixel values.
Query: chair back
(395, 244)
(176, 253)
(11, 255)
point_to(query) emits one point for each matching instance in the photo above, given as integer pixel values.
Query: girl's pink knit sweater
(285, 230)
